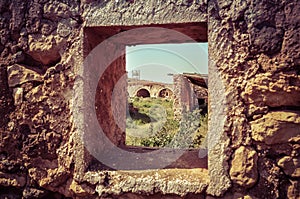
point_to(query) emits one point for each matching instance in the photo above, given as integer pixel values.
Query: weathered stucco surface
(254, 46)
(254, 94)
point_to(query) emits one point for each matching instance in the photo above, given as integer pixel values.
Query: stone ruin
(145, 88)
(254, 92)
(190, 92)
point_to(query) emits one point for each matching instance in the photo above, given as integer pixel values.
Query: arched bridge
(144, 88)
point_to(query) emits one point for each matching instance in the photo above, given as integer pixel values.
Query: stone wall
(253, 87)
(155, 89)
(39, 46)
(186, 95)
(254, 52)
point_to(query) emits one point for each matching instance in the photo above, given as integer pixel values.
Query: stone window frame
(214, 180)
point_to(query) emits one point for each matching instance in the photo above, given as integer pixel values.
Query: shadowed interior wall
(254, 97)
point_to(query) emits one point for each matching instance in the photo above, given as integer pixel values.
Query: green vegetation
(151, 123)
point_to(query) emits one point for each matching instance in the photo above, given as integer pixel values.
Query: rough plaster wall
(104, 101)
(41, 52)
(254, 46)
(39, 41)
(125, 12)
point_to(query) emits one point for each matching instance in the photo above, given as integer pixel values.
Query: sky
(156, 61)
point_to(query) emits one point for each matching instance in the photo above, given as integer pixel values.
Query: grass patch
(150, 122)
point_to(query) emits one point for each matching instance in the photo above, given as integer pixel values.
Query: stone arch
(165, 93)
(143, 93)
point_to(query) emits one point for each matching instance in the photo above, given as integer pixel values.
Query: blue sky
(156, 61)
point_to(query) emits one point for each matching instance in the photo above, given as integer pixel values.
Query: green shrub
(190, 132)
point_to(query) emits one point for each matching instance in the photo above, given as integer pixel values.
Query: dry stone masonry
(189, 90)
(253, 86)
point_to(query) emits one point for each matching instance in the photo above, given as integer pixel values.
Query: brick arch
(165, 93)
(143, 93)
